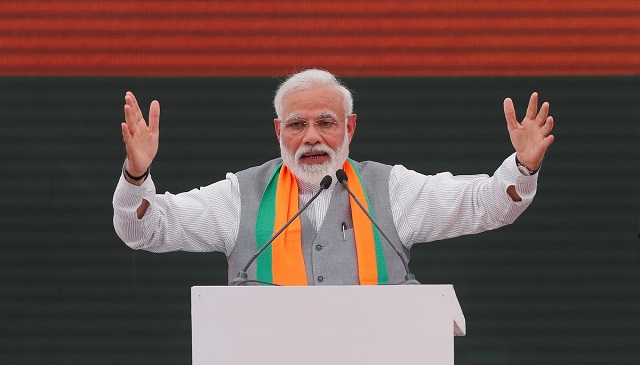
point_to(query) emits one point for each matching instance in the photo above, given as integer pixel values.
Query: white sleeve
(428, 208)
(205, 219)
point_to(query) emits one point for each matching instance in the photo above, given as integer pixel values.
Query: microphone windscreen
(326, 182)
(342, 176)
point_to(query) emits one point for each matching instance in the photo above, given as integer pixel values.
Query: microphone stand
(241, 279)
(409, 278)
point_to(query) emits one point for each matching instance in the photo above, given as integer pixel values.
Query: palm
(141, 141)
(531, 137)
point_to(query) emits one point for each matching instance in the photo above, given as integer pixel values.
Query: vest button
(320, 278)
(319, 247)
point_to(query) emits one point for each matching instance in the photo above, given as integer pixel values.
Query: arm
(203, 219)
(428, 208)
(141, 142)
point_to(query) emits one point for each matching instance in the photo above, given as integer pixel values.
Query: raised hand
(141, 141)
(530, 137)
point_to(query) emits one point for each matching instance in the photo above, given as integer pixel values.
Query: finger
(542, 115)
(130, 118)
(129, 100)
(532, 108)
(154, 117)
(510, 114)
(126, 136)
(548, 140)
(135, 106)
(125, 131)
(547, 127)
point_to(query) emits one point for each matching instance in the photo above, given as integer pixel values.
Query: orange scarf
(283, 262)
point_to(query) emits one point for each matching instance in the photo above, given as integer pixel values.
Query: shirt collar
(305, 187)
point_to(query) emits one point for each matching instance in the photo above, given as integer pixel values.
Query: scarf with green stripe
(283, 262)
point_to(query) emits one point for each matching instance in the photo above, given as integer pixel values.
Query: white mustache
(313, 173)
(322, 148)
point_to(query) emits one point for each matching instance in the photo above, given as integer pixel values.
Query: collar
(305, 187)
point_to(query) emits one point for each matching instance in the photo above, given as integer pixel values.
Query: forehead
(314, 101)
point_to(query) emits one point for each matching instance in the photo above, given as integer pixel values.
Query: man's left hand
(531, 137)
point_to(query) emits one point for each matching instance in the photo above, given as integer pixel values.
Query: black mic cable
(409, 278)
(241, 279)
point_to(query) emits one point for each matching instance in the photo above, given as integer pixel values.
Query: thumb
(510, 114)
(154, 117)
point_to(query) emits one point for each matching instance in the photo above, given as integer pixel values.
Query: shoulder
(257, 176)
(374, 175)
(266, 168)
(372, 167)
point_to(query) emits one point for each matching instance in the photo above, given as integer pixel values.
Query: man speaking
(340, 236)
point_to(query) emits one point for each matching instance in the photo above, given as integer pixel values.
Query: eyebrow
(322, 115)
(294, 117)
(326, 115)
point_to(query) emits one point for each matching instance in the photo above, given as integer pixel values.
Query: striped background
(560, 286)
(352, 38)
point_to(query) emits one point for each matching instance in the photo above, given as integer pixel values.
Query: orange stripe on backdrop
(351, 38)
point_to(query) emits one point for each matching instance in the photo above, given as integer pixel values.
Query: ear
(276, 124)
(351, 126)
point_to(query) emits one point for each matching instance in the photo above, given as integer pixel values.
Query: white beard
(313, 173)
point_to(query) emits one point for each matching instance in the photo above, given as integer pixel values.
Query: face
(313, 154)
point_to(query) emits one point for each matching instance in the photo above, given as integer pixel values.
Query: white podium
(411, 324)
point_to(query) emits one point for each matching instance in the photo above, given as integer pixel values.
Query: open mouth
(314, 157)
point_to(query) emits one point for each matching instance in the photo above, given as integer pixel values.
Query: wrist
(136, 179)
(524, 169)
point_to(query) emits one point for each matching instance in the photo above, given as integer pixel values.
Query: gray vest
(329, 257)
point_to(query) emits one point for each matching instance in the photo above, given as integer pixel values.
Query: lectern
(385, 324)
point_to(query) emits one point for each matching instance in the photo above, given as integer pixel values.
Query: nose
(311, 135)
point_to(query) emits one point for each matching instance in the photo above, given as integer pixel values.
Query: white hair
(307, 79)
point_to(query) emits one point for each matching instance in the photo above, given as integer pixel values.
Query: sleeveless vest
(329, 256)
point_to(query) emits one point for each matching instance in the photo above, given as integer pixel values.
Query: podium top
(389, 294)
(319, 325)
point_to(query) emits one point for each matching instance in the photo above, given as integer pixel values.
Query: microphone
(241, 279)
(409, 278)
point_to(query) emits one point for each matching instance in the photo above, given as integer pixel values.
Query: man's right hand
(141, 141)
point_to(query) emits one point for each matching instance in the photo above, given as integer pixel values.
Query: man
(332, 242)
